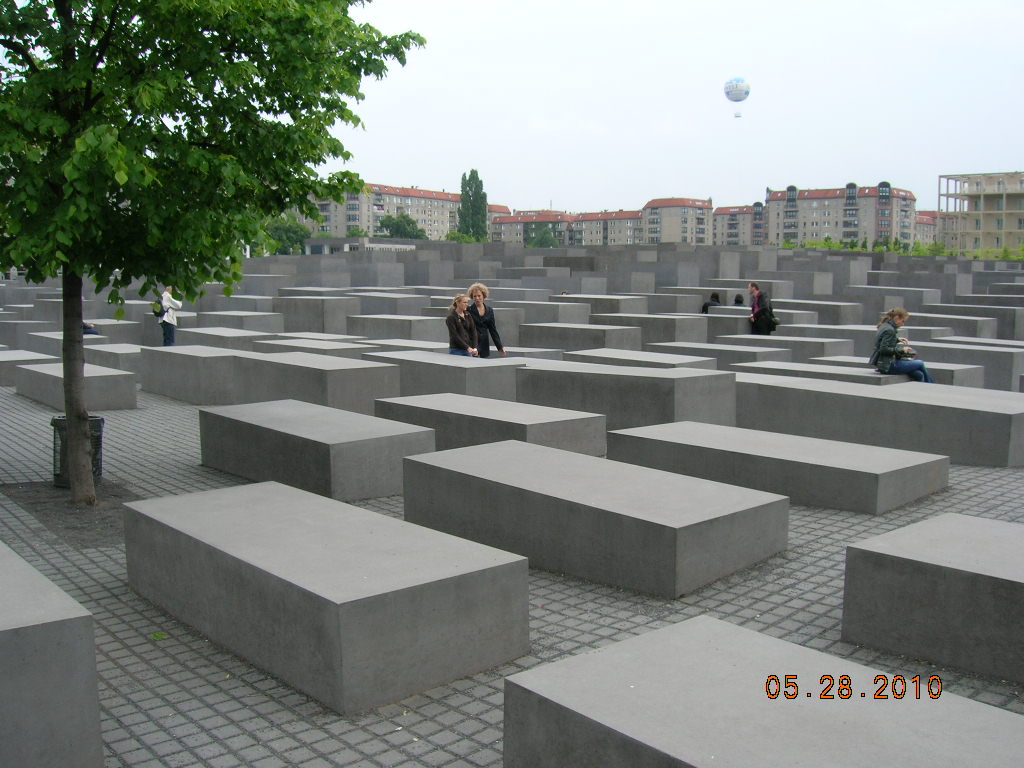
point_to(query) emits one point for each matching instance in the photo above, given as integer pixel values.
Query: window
(352, 207)
(999, 223)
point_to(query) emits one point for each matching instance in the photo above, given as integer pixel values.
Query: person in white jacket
(169, 321)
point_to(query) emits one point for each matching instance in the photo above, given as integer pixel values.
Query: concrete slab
(352, 607)
(640, 359)
(459, 420)
(106, 389)
(630, 396)
(971, 426)
(425, 373)
(10, 359)
(615, 523)
(693, 695)
(571, 336)
(340, 454)
(49, 708)
(811, 471)
(949, 589)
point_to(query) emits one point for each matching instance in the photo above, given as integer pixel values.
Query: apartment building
(521, 226)
(846, 214)
(677, 220)
(739, 225)
(985, 211)
(437, 213)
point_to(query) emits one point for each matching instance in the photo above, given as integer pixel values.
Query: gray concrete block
(220, 336)
(811, 471)
(570, 336)
(321, 314)
(49, 710)
(725, 354)
(828, 312)
(338, 382)
(801, 348)
(315, 346)
(812, 370)
(971, 426)
(341, 454)
(459, 420)
(106, 389)
(1003, 365)
(949, 589)
(413, 327)
(615, 523)
(655, 328)
(641, 359)
(118, 331)
(52, 342)
(408, 345)
(425, 373)
(267, 322)
(953, 374)
(10, 359)
(193, 374)
(352, 607)
(692, 695)
(385, 303)
(548, 312)
(123, 357)
(604, 304)
(630, 396)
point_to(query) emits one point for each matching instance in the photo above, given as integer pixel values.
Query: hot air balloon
(737, 90)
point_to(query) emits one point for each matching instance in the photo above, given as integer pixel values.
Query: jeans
(168, 333)
(459, 352)
(915, 369)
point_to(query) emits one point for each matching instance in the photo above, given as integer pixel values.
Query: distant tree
(147, 139)
(288, 232)
(356, 232)
(938, 248)
(918, 249)
(864, 244)
(789, 244)
(403, 227)
(459, 237)
(473, 207)
(542, 237)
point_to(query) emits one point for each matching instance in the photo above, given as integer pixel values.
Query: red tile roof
(734, 209)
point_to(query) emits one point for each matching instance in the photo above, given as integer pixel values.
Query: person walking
(483, 318)
(893, 353)
(760, 311)
(169, 320)
(462, 338)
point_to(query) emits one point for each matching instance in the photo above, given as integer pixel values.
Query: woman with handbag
(893, 353)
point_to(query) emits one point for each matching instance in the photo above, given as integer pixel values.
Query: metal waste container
(60, 449)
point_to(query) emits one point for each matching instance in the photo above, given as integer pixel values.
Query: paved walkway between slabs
(168, 697)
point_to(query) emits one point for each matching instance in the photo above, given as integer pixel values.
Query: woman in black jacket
(483, 317)
(462, 338)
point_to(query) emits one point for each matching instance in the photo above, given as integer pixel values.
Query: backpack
(158, 309)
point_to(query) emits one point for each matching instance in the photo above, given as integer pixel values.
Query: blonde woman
(483, 319)
(462, 339)
(893, 353)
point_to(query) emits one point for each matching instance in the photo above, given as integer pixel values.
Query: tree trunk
(79, 443)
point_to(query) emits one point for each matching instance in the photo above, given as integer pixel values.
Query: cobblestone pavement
(169, 697)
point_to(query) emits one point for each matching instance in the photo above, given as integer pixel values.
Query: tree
(144, 140)
(403, 226)
(473, 207)
(541, 237)
(458, 237)
(288, 232)
(356, 232)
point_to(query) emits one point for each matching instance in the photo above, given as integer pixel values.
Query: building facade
(848, 214)
(985, 211)
(437, 213)
(739, 225)
(677, 220)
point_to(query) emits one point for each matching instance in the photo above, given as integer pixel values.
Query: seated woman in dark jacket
(462, 339)
(894, 354)
(483, 318)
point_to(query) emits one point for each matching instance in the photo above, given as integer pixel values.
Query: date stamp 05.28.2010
(842, 687)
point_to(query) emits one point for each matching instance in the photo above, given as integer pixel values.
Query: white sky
(589, 105)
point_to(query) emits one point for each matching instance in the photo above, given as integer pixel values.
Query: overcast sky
(589, 105)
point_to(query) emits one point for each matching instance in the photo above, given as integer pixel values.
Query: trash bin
(61, 478)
